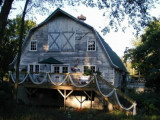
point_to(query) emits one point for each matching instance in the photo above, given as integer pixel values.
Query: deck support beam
(89, 96)
(65, 95)
(80, 101)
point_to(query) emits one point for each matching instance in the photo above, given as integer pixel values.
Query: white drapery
(35, 79)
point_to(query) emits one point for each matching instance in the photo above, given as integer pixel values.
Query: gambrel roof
(113, 57)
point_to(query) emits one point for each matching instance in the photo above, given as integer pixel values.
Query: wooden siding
(66, 41)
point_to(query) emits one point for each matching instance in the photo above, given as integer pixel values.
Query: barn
(60, 59)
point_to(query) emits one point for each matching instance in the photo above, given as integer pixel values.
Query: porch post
(64, 99)
(81, 103)
(91, 99)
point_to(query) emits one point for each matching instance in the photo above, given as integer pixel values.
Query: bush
(7, 102)
(147, 103)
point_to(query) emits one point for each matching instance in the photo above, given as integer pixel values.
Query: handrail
(118, 91)
(49, 73)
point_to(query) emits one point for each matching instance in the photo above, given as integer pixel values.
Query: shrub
(7, 102)
(147, 103)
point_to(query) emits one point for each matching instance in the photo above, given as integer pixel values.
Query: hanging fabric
(35, 78)
(57, 79)
(13, 79)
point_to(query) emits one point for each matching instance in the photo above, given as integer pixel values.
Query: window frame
(34, 68)
(89, 66)
(88, 44)
(31, 45)
(60, 68)
(63, 71)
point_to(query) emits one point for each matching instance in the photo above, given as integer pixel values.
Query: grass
(22, 112)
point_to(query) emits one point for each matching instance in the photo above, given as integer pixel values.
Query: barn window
(91, 67)
(34, 68)
(56, 69)
(91, 45)
(31, 69)
(59, 68)
(85, 68)
(33, 45)
(65, 69)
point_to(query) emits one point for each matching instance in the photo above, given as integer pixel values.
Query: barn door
(68, 41)
(54, 41)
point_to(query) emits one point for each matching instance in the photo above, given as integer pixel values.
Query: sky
(118, 41)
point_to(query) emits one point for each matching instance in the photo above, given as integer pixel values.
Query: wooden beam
(61, 93)
(87, 94)
(65, 99)
(51, 86)
(91, 98)
(69, 93)
(80, 101)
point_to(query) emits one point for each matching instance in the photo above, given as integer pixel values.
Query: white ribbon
(13, 79)
(132, 106)
(109, 94)
(38, 83)
(80, 86)
(57, 83)
(114, 91)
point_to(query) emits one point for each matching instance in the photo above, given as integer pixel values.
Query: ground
(23, 112)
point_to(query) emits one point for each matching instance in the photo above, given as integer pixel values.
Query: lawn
(23, 112)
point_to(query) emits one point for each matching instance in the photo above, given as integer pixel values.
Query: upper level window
(33, 45)
(34, 68)
(91, 45)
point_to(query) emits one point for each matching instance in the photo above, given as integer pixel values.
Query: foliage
(136, 42)
(10, 42)
(146, 56)
(88, 72)
(147, 103)
(7, 102)
(136, 12)
(39, 113)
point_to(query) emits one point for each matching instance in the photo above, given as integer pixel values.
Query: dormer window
(91, 45)
(33, 45)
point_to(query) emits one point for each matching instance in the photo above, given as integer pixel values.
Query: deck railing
(76, 79)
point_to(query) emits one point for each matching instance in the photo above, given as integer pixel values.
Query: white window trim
(89, 67)
(95, 44)
(34, 67)
(30, 45)
(60, 67)
(65, 66)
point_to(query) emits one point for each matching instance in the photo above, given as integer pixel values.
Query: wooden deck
(61, 87)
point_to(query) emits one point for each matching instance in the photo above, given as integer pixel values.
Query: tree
(136, 11)
(5, 7)
(9, 47)
(146, 56)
